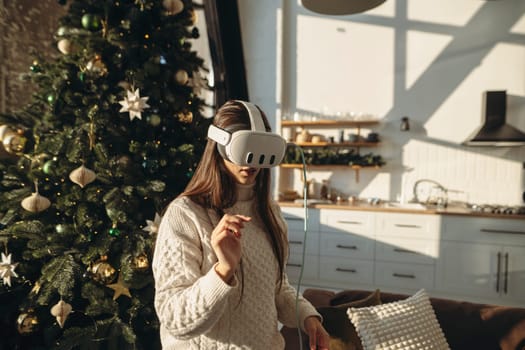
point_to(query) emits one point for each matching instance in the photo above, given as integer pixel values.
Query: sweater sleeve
(188, 302)
(292, 307)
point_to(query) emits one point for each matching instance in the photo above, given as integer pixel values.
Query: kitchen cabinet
(299, 241)
(483, 258)
(456, 256)
(406, 250)
(346, 247)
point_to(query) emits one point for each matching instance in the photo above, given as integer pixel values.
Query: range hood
(494, 130)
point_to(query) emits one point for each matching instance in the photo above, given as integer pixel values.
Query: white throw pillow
(401, 325)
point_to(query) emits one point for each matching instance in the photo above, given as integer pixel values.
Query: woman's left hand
(319, 339)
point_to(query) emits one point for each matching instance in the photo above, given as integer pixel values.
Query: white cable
(305, 230)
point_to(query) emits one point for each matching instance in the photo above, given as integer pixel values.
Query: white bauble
(173, 7)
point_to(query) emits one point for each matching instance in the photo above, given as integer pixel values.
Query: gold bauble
(35, 203)
(27, 322)
(102, 271)
(141, 262)
(4, 131)
(97, 66)
(13, 142)
(194, 17)
(82, 176)
(181, 77)
(186, 117)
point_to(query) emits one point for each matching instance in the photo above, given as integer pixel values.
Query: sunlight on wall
(422, 50)
(476, 178)
(451, 12)
(348, 69)
(519, 27)
(491, 74)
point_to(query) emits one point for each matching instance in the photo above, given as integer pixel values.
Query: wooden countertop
(452, 210)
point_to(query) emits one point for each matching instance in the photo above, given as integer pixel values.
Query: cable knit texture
(196, 308)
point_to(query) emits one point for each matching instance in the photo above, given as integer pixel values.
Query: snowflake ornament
(153, 226)
(7, 269)
(134, 104)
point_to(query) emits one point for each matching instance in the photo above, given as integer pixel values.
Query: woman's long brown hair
(213, 187)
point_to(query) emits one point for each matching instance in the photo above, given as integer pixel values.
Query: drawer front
(346, 271)
(348, 221)
(407, 250)
(295, 263)
(296, 242)
(486, 230)
(414, 276)
(295, 219)
(410, 226)
(346, 245)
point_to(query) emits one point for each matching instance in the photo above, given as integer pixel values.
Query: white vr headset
(256, 148)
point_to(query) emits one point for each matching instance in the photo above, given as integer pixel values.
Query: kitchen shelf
(355, 168)
(338, 144)
(328, 123)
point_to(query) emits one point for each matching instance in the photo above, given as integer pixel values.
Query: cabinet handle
(506, 275)
(295, 242)
(407, 226)
(401, 250)
(353, 247)
(403, 275)
(294, 265)
(498, 271)
(488, 230)
(293, 219)
(349, 222)
(340, 269)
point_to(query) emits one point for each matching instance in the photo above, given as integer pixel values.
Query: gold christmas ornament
(173, 7)
(120, 288)
(61, 311)
(14, 143)
(27, 322)
(186, 117)
(4, 131)
(65, 46)
(141, 262)
(193, 15)
(35, 203)
(181, 77)
(82, 176)
(102, 271)
(97, 66)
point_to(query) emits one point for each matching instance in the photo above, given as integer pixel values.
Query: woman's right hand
(226, 242)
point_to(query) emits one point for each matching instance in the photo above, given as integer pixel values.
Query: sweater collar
(245, 192)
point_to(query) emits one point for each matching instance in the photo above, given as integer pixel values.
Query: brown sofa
(465, 325)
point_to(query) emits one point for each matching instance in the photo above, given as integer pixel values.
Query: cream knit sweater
(197, 310)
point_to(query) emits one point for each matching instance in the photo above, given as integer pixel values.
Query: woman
(220, 258)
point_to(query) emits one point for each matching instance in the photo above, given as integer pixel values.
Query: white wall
(430, 60)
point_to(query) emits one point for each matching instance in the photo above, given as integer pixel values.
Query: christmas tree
(111, 135)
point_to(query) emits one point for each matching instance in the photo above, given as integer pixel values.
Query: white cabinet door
(469, 269)
(513, 279)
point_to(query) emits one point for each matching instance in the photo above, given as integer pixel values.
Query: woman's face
(242, 174)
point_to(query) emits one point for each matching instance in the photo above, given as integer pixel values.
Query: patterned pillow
(405, 324)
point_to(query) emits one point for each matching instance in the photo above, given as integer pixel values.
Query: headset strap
(256, 120)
